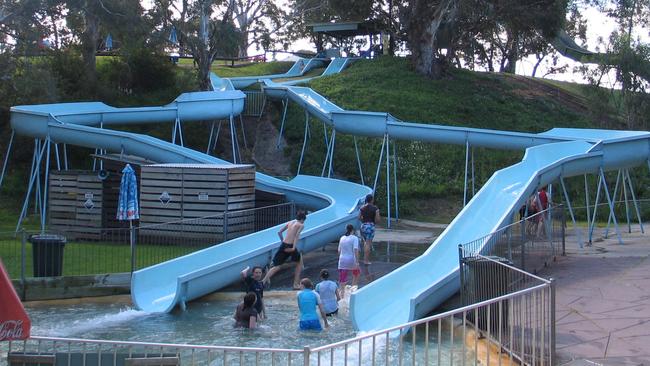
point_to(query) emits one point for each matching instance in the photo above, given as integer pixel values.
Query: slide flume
(161, 287)
(418, 287)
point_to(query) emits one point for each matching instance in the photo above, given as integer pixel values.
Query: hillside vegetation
(431, 176)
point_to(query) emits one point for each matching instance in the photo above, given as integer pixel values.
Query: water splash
(64, 328)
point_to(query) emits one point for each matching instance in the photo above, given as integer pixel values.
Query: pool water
(207, 322)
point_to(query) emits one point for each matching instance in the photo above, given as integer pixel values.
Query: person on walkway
(253, 283)
(308, 303)
(369, 216)
(288, 249)
(542, 204)
(328, 291)
(349, 257)
(245, 314)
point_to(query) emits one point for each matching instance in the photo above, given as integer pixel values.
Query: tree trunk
(426, 20)
(90, 36)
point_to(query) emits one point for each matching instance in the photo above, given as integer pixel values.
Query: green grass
(261, 68)
(87, 258)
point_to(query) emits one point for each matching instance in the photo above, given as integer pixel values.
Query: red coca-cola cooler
(14, 322)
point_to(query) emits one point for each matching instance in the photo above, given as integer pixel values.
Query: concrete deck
(603, 301)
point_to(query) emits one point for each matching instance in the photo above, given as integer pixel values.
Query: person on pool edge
(288, 249)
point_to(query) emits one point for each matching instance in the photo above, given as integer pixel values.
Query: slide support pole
(232, 140)
(587, 206)
(243, 131)
(304, 142)
(466, 164)
(207, 150)
(388, 181)
(636, 206)
(395, 179)
(285, 104)
(38, 155)
(46, 179)
(609, 218)
(573, 218)
(65, 156)
(381, 157)
(6, 160)
(627, 205)
(611, 206)
(56, 154)
(356, 150)
(332, 144)
(593, 218)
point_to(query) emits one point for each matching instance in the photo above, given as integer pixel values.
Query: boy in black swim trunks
(288, 249)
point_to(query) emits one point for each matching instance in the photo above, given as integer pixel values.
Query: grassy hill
(431, 175)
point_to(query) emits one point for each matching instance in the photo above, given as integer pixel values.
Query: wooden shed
(75, 202)
(197, 201)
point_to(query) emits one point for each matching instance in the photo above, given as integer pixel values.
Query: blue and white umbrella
(127, 205)
(173, 38)
(108, 44)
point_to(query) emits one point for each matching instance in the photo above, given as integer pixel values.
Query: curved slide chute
(161, 287)
(418, 287)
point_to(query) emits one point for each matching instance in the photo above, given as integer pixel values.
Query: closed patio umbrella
(127, 205)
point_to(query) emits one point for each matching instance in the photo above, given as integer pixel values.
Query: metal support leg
(243, 131)
(304, 142)
(48, 142)
(611, 206)
(395, 179)
(587, 206)
(207, 149)
(65, 156)
(327, 144)
(466, 165)
(636, 206)
(232, 140)
(593, 218)
(356, 150)
(332, 144)
(216, 138)
(573, 218)
(56, 154)
(285, 104)
(38, 155)
(381, 157)
(473, 176)
(328, 151)
(627, 205)
(609, 218)
(388, 181)
(6, 159)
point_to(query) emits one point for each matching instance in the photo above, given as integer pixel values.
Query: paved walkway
(603, 302)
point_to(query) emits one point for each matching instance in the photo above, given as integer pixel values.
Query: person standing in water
(288, 249)
(369, 216)
(348, 257)
(253, 283)
(308, 303)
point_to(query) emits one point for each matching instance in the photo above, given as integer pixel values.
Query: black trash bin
(47, 254)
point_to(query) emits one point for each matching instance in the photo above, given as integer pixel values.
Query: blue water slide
(161, 287)
(299, 68)
(416, 288)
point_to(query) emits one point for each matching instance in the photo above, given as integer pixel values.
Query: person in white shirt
(329, 293)
(349, 257)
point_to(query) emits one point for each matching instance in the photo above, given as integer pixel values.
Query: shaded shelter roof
(347, 29)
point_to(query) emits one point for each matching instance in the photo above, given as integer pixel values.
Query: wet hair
(369, 198)
(349, 229)
(306, 283)
(256, 267)
(324, 274)
(301, 216)
(249, 299)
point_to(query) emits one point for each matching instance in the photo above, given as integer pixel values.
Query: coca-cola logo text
(11, 329)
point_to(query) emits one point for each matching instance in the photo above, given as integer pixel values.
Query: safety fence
(29, 254)
(500, 264)
(529, 244)
(254, 104)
